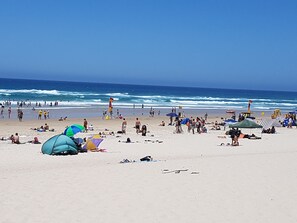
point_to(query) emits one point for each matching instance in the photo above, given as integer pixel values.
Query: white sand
(255, 182)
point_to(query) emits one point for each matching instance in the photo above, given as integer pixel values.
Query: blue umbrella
(73, 129)
(172, 114)
(184, 121)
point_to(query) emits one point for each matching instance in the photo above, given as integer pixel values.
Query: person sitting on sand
(216, 126)
(12, 138)
(143, 130)
(272, 130)
(269, 130)
(15, 139)
(46, 127)
(162, 123)
(34, 141)
(235, 141)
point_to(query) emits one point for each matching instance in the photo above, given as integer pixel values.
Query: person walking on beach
(137, 125)
(193, 126)
(178, 126)
(39, 114)
(86, 125)
(20, 115)
(124, 126)
(2, 111)
(9, 112)
(45, 114)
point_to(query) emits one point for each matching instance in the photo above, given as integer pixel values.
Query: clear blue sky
(202, 43)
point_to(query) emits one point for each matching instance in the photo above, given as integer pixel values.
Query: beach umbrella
(172, 114)
(93, 142)
(184, 121)
(73, 129)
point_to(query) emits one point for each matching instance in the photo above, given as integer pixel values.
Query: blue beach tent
(59, 145)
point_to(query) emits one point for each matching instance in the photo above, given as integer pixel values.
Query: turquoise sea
(70, 95)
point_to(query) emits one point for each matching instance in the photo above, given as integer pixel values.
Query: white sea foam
(117, 94)
(31, 91)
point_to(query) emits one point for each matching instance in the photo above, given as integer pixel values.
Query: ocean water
(93, 95)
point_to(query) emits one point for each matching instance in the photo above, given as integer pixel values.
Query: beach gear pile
(66, 144)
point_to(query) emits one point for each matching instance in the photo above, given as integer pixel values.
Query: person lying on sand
(269, 130)
(62, 119)
(228, 144)
(43, 128)
(4, 138)
(34, 141)
(98, 150)
(127, 141)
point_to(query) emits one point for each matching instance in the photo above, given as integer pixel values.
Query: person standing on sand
(124, 126)
(205, 116)
(45, 114)
(86, 125)
(20, 115)
(39, 114)
(137, 125)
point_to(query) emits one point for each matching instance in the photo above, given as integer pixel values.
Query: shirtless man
(137, 125)
(16, 139)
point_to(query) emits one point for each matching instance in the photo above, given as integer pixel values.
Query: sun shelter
(59, 145)
(93, 143)
(268, 123)
(246, 124)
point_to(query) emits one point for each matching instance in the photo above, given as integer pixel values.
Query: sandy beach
(191, 178)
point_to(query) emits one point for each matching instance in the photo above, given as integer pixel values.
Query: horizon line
(153, 85)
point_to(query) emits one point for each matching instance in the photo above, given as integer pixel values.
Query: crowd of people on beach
(6, 108)
(193, 125)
